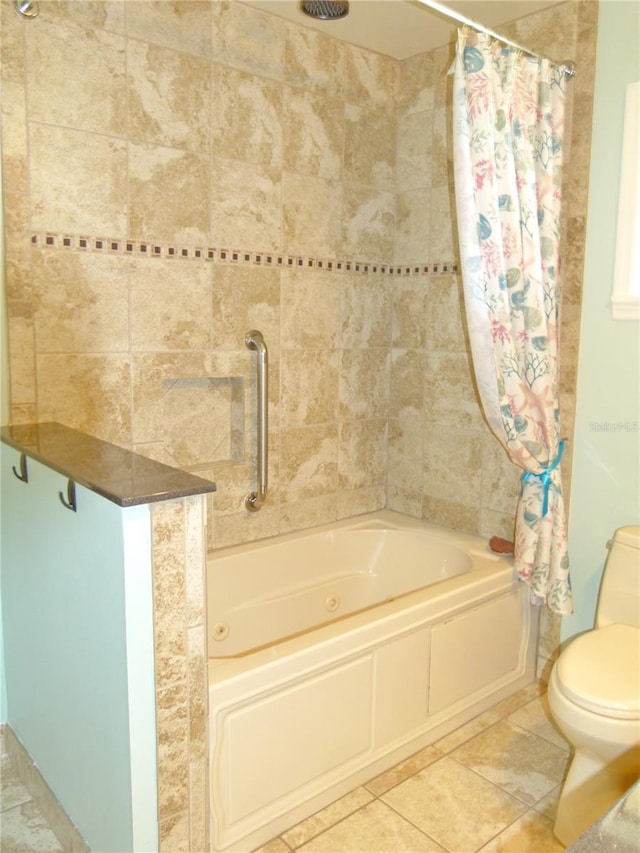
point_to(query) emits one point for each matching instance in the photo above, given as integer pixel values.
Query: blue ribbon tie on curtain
(545, 477)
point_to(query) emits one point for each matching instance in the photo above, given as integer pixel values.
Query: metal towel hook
(70, 502)
(23, 473)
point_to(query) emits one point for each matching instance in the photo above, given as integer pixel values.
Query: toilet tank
(619, 599)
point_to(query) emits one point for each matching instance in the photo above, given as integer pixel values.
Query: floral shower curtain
(508, 131)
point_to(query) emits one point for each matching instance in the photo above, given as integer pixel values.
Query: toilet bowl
(594, 696)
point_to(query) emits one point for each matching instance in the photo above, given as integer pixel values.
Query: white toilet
(594, 695)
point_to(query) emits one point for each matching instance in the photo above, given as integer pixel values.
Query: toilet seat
(600, 671)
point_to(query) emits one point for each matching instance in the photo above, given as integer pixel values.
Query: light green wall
(65, 618)
(4, 338)
(606, 469)
(4, 417)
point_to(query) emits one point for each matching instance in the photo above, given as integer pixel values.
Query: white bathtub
(337, 652)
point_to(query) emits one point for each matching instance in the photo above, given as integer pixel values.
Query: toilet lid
(600, 671)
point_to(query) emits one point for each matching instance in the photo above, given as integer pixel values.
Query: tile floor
(491, 785)
(22, 828)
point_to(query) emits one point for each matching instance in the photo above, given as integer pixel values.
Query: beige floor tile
(532, 832)
(276, 845)
(525, 765)
(536, 717)
(13, 792)
(404, 770)
(24, 830)
(548, 806)
(375, 828)
(459, 736)
(517, 700)
(454, 806)
(322, 820)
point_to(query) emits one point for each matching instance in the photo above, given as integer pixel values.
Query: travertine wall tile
(16, 228)
(308, 513)
(371, 78)
(23, 355)
(166, 317)
(362, 460)
(197, 684)
(416, 86)
(102, 14)
(246, 205)
(441, 61)
(453, 465)
(180, 414)
(359, 501)
(500, 478)
(181, 673)
(308, 462)
(13, 54)
(195, 577)
(410, 307)
(248, 39)
(81, 303)
(364, 383)
(446, 322)
(87, 391)
(314, 60)
(450, 393)
(179, 24)
(441, 147)
(450, 513)
(413, 227)
(168, 97)
(443, 241)
(405, 466)
(366, 312)
(181, 215)
(407, 384)
(241, 101)
(173, 750)
(310, 305)
(78, 181)
(314, 133)
(309, 387)
(370, 146)
(368, 226)
(199, 806)
(245, 298)
(414, 158)
(95, 100)
(15, 150)
(312, 215)
(244, 527)
(174, 834)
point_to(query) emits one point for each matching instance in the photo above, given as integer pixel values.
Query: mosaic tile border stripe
(273, 260)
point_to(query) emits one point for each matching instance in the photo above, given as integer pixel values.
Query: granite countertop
(120, 476)
(618, 829)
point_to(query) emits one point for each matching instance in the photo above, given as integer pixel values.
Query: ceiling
(403, 28)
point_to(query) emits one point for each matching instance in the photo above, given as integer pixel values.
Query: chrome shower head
(325, 10)
(26, 8)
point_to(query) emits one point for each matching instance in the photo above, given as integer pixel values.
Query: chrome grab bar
(255, 341)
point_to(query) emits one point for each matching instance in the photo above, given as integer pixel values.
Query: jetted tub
(339, 651)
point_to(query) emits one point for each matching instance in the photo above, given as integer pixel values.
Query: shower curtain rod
(566, 67)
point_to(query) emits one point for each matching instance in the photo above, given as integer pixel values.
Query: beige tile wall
(181, 673)
(182, 126)
(199, 124)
